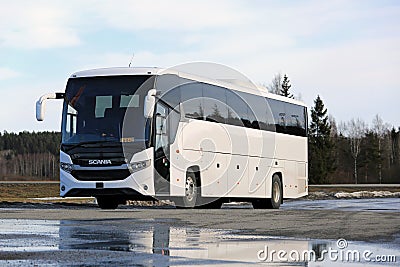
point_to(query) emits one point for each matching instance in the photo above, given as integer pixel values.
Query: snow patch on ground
(367, 194)
(62, 198)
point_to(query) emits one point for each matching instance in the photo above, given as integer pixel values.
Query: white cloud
(169, 15)
(31, 25)
(6, 73)
(342, 50)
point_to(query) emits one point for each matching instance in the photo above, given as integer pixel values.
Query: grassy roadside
(27, 192)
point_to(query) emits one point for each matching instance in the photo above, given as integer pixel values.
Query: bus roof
(238, 85)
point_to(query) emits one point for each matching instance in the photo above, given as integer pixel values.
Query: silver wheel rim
(190, 188)
(277, 193)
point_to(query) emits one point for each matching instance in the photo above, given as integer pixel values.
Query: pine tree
(395, 150)
(285, 87)
(321, 147)
(370, 156)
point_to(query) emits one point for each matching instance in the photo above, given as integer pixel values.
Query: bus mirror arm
(40, 104)
(149, 103)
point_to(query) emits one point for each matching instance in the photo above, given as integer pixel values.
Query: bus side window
(215, 108)
(237, 109)
(296, 123)
(192, 100)
(279, 114)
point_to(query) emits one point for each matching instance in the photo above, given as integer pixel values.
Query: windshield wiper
(115, 143)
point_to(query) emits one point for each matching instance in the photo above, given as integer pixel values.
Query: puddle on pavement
(367, 204)
(156, 243)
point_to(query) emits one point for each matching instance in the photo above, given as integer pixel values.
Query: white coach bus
(147, 133)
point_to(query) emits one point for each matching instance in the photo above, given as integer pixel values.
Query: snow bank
(367, 194)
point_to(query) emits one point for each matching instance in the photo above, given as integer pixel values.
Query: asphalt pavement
(64, 235)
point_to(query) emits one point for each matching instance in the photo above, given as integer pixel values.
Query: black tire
(276, 196)
(107, 203)
(277, 192)
(192, 192)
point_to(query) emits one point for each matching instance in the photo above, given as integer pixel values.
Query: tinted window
(289, 118)
(237, 109)
(172, 97)
(214, 99)
(217, 104)
(168, 86)
(192, 100)
(279, 115)
(295, 120)
(264, 115)
(249, 118)
(102, 104)
(259, 112)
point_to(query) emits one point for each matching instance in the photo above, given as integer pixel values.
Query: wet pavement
(155, 242)
(366, 204)
(160, 236)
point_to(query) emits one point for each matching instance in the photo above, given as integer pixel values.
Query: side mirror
(40, 104)
(149, 103)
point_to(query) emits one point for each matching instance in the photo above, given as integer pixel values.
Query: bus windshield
(95, 108)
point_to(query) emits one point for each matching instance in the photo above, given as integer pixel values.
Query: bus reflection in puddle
(215, 245)
(154, 242)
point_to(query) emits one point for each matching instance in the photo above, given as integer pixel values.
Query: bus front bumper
(125, 193)
(137, 186)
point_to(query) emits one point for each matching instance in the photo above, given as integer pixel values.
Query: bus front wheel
(192, 192)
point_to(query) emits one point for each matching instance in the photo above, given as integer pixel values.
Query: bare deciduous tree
(355, 131)
(381, 129)
(299, 97)
(334, 127)
(276, 84)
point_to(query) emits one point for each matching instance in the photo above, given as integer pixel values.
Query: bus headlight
(66, 167)
(139, 165)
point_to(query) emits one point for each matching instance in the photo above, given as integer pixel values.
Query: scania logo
(99, 161)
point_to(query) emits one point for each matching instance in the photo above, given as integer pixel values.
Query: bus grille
(101, 175)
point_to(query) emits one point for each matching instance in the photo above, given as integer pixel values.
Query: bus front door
(161, 151)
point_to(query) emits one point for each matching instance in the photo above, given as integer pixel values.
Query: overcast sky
(348, 52)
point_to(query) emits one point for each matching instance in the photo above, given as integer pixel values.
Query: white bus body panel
(238, 162)
(291, 155)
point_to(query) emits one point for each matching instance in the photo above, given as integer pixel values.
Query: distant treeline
(371, 157)
(29, 155)
(353, 151)
(347, 153)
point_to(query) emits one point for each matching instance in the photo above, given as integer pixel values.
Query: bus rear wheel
(107, 203)
(276, 196)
